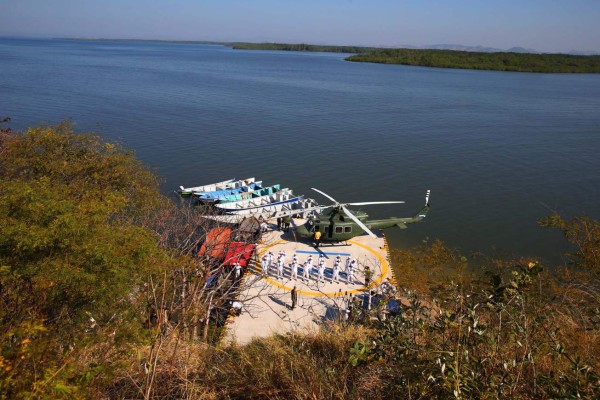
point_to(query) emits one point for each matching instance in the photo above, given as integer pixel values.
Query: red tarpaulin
(239, 252)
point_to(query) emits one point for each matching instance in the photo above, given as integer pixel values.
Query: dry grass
(309, 366)
(537, 337)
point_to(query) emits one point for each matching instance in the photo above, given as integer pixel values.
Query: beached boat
(211, 187)
(279, 203)
(211, 197)
(301, 209)
(250, 195)
(265, 199)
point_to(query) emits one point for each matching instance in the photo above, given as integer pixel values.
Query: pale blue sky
(545, 25)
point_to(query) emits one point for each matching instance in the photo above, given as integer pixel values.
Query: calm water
(498, 150)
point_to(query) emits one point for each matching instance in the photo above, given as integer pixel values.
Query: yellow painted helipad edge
(385, 269)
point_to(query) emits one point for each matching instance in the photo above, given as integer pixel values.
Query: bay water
(498, 150)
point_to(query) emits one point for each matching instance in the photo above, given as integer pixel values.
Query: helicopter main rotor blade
(363, 226)
(326, 195)
(375, 202)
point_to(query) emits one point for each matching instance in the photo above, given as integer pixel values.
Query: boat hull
(271, 208)
(225, 185)
(211, 197)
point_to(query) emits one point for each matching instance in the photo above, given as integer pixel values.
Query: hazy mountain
(520, 50)
(460, 47)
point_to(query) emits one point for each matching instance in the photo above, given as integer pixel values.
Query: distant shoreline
(501, 61)
(145, 40)
(437, 58)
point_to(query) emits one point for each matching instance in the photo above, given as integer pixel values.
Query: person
(317, 239)
(264, 263)
(279, 222)
(307, 268)
(336, 272)
(294, 269)
(287, 220)
(263, 227)
(294, 297)
(280, 267)
(338, 260)
(368, 275)
(237, 307)
(347, 263)
(350, 271)
(282, 256)
(269, 261)
(295, 258)
(321, 269)
(350, 306)
(238, 270)
(321, 258)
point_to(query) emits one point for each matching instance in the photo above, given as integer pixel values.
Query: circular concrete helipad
(364, 254)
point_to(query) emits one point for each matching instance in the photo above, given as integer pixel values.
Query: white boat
(280, 195)
(271, 209)
(280, 203)
(228, 184)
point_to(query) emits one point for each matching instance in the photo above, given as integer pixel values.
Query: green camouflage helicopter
(340, 224)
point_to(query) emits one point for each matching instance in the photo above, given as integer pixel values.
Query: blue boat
(247, 195)
(213, 196)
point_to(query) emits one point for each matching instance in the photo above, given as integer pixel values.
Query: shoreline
(432, 58)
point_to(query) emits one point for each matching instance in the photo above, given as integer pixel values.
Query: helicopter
(340, 224)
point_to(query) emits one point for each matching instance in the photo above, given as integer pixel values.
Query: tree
(74, 265)
(95, 263)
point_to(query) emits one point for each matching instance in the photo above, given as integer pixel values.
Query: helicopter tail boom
(401, 222)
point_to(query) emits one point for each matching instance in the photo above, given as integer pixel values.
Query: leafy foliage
(73, 262)
(515, 331)
(100, 296)
(518, 62)
(499, 61)
(302, 47)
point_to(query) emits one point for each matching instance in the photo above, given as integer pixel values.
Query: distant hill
(340, 49)
(301, 47)
(483, 49)
(584, 53)
(477, 49)
(359, 49)
(517, 59)
(497, 61)
(521, 50)
(455, 47)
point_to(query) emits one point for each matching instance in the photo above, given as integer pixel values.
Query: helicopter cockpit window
(339, 229)
(347, 229)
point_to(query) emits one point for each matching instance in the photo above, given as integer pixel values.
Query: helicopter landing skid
(333, 244)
